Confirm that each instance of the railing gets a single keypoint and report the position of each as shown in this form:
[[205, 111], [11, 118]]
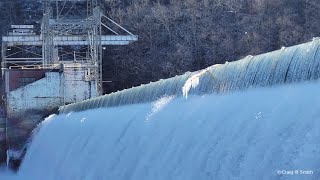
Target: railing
[[49, 66]]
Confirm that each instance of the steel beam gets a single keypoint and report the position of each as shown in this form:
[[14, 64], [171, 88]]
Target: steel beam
[[67, 40]]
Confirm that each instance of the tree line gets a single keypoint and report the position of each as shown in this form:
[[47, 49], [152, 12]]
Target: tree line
[[177, 36]]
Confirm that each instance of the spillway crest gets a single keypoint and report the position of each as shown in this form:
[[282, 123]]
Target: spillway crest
[[287, 65], [259, 133]]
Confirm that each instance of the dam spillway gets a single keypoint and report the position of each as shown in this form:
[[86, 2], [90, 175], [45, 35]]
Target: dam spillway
[[259, 133], [256, 118]]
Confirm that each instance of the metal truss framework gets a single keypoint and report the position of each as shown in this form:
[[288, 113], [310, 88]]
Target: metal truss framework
[[69, 27]]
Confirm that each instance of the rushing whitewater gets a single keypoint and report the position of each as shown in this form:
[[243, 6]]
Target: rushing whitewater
[[287, 65], [262, 133]]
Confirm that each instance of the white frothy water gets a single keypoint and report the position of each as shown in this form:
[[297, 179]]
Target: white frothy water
[[192, 82], [158, 105], [260, 133]]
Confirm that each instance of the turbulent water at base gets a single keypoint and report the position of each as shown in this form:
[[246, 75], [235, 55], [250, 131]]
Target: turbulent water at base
[[287, 65], [259, 133]]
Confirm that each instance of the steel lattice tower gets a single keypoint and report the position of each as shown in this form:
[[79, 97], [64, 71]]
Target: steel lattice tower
[[57, 22]]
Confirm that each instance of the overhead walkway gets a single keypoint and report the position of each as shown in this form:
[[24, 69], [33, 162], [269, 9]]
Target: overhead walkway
[[36, 40]]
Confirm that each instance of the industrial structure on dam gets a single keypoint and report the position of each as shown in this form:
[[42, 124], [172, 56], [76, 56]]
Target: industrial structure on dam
[[53, 65]]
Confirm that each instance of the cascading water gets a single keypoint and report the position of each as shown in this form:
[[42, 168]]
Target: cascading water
[[271, 131], [263, 133]]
